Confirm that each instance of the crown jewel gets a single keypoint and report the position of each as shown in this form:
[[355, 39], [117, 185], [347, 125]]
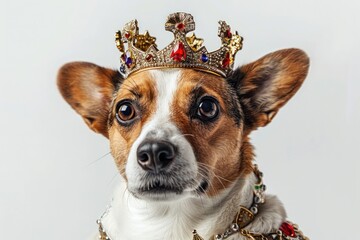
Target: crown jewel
[[184, 51]]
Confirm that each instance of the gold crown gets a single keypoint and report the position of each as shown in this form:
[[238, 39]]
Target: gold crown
[[183, 52]]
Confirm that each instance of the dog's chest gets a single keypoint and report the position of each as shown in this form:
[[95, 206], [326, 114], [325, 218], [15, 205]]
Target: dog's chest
[[131, 218], [171, 224], [128, 218]]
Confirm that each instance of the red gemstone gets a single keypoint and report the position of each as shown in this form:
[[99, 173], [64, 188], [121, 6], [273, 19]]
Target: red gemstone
[[228, 33], [127, 35], [123, 57], [178, 53], [288, 229], [226, 60], [149, 57], [180, 26]]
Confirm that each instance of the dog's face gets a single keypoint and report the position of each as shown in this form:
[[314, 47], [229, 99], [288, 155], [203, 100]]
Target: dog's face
[[171, 130], [177, 133]]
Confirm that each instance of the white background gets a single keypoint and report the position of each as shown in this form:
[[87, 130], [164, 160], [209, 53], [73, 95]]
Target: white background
[[53, 181]]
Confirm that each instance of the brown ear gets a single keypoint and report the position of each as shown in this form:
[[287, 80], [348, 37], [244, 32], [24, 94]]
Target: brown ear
[[88, 89], [265, 85]]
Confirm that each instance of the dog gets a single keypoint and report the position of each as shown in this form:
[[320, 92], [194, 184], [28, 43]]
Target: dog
[[180, 139]]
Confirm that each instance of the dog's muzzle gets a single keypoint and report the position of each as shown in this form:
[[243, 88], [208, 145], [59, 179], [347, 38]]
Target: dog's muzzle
[[162, 165], [155, 156]]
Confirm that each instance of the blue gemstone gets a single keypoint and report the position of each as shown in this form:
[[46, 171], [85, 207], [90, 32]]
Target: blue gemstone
[[204, 57], [122, 68], [128, 61]]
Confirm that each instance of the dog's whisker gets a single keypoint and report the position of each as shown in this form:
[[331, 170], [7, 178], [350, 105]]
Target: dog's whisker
[[123, 193], [183, 135], [98, 159], [133, 88], [221, 178], [209, 168], [133, 82], [113, 178], [125, 86], [128, 199], [205, 177], [209, 182]]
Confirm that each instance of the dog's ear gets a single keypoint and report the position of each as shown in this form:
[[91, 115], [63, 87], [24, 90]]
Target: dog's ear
[[89, 89], [268, 83]]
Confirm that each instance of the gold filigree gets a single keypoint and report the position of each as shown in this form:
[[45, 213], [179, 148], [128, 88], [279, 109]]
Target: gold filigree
[[144, 41], [119, 42], [235, 43], [194, 42], [145, 55], [102, 233], [244, 217], [196, 236]]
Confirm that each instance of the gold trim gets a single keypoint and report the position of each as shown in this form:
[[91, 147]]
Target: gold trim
[[196, 236], [174, 67]]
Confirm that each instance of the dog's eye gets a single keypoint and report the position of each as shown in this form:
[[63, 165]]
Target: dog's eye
[[125, 112], [208, 109]]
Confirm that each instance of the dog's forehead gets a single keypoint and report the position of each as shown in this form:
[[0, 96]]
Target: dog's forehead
[[171, 84]]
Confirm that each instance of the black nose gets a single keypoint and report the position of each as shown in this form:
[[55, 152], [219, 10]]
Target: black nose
[[154, 156]]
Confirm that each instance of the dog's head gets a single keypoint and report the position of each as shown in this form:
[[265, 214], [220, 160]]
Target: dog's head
[[176, 133]]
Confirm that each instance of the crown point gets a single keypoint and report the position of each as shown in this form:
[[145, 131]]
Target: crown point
[[180, 22], [194, 42], [178, 54], [144, 41]]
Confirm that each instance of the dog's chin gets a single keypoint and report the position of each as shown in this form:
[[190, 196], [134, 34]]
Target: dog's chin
[[160, 194], [164, 192]]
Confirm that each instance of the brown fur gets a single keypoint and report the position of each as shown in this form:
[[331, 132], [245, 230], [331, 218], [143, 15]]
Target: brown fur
[[268, 83], [248, 99], [139, 87], [216, 145], [88, 89]]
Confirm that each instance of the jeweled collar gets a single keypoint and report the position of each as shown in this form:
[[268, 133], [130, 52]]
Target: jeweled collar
[[287, 230]]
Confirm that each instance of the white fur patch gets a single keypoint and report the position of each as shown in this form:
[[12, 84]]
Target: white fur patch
[[161, 128], [132, 218]]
